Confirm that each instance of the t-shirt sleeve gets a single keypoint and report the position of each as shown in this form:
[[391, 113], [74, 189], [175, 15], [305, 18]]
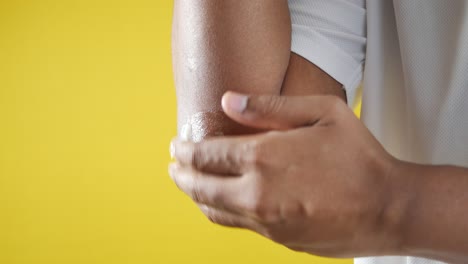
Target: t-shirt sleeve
[[332, 35]]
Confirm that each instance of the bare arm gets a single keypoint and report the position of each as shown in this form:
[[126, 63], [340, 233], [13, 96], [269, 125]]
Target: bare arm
[[244, 46], [237, 45], [435, 218]]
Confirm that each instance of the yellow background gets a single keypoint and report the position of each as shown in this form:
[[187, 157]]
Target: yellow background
[[87, 109]]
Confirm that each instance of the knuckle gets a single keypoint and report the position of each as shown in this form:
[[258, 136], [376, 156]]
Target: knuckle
[[197, 159], [257, 153], [268, 105], [295, 210], [196, 192]]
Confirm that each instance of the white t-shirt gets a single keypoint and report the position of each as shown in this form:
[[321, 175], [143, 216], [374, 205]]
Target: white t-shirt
[[412, 57]]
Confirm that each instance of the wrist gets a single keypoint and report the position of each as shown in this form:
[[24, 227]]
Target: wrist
[[400, 191], [422, 205]]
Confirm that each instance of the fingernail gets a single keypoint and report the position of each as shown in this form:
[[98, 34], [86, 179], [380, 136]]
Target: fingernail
[[235, 102], [186, 132]]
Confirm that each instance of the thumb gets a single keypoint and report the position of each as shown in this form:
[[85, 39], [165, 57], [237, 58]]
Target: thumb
[[280, 112]]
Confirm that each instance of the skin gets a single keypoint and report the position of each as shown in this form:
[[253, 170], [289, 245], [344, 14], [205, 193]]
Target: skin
[[329, 189], [237, 45], [350, 198]]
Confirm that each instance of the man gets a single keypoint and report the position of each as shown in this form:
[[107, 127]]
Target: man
[[294, 164]]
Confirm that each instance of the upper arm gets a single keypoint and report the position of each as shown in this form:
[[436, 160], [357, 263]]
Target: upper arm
[[246, 46], [239, 45], [332, 35]]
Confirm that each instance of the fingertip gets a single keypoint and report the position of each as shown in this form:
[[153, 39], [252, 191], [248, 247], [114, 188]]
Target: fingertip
[[173, 146], [183, 151], [234, 102]]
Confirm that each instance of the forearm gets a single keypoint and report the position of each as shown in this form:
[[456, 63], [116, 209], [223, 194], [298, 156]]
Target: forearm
[[237, 45], [435, 221]]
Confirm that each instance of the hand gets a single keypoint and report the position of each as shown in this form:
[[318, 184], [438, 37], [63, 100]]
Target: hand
[[320, 183]]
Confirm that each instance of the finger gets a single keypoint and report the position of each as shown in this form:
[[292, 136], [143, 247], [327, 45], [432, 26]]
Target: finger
[[280, 112], [218, 192], [221, 156], [227, 219]]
